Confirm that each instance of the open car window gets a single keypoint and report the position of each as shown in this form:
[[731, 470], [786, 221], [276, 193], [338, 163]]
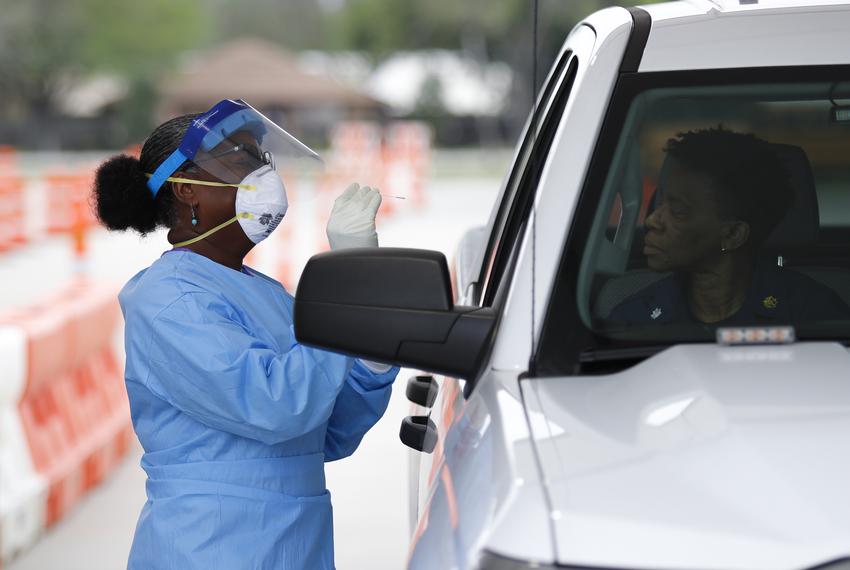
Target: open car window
[[723, 204]]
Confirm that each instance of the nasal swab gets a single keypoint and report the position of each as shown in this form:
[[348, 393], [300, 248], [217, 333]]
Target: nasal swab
[[396, 197]]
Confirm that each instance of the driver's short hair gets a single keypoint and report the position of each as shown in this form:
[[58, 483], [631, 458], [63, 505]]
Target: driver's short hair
[[751, 181]]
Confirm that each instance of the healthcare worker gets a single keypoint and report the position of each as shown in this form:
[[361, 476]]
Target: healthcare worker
[[235, 417]]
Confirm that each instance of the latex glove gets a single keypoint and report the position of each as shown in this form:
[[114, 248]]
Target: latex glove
[[352, 221], [375, 367]]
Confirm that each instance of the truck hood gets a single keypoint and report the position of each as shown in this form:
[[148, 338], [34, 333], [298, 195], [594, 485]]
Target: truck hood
[[701, 457]]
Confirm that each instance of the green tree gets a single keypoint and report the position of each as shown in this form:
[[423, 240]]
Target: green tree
[[138, 41], [296, 24], [39, 42], [140, 37], [46, 43], [486, 30]]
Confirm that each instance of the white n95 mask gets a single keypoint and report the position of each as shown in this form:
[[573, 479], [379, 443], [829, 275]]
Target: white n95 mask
[[261, 203]]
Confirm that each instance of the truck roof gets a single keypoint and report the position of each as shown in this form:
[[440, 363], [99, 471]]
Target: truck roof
[[718, 34], [740, 5]]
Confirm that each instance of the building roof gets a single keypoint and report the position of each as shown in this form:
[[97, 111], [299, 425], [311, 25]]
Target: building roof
[[260, 72]]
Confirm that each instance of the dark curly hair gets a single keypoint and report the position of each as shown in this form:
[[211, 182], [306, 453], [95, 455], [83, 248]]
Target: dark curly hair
[[751, 181], [122, 199]]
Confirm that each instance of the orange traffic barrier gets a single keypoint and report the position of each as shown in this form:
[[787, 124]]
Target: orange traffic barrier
[[23, 492], [356, 147], [397, 164], [100, 415], [12, 214], [74, 408], [134, 150], [41, 408], [409, 158], [381, 180], [68, 204], [395, 159], [79, 226], [358, 155], [8, 159], [284, 270]]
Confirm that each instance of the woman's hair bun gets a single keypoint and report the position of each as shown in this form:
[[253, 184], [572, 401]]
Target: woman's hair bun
[[122, 198]]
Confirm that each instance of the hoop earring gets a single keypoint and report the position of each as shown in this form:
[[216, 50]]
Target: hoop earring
[[194, 217]]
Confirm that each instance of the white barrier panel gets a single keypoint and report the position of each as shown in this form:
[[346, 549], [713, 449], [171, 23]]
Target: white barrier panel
[[23, 492]]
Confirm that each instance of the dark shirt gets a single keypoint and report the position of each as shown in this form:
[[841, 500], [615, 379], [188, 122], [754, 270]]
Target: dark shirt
[[776, 295]]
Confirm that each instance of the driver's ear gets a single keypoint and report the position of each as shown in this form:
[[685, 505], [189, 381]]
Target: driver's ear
[[734, 235]]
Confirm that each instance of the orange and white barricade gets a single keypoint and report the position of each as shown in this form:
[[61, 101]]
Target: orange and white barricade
[[356, 151], [69, 405], [12, 214], [23, 491], [68, 204], [8, 159], [285, 247], [356, 155], [99, 417], [409, 158]]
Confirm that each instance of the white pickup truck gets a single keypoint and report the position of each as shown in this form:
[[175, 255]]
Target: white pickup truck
[[644, 356]]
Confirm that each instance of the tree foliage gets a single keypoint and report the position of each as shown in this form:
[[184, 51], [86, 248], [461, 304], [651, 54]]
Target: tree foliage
[[45, 44], [140, 37], [296, 24]]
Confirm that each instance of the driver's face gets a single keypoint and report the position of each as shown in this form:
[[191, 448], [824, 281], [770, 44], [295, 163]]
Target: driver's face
[[683, 233]]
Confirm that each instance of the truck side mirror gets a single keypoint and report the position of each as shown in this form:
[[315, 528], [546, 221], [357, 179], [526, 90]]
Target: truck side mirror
[[390, 305]]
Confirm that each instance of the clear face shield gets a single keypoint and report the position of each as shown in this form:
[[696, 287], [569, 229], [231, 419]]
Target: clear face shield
[[234, 145], [229, 142]]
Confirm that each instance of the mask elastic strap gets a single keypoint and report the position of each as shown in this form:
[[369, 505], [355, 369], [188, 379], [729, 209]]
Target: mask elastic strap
[[208, 233], [207, 182]]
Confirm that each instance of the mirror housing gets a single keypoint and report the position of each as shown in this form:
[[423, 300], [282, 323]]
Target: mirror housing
[[390, 305]]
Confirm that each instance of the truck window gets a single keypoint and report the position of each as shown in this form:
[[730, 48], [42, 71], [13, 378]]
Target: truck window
[[724, 204], [515, 205]]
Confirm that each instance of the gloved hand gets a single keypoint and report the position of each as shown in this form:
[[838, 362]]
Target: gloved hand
[[352, 221], [375, 367]]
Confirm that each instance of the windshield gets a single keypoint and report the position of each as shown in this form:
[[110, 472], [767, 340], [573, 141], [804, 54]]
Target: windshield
[[722, 205]]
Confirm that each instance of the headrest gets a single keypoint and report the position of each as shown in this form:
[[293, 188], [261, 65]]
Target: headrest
[[802, 221]]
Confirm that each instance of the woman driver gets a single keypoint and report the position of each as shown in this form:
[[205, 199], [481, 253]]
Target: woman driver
[[722, 194]]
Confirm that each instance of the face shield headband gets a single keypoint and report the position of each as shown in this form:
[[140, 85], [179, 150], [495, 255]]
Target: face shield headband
[[230, 125]]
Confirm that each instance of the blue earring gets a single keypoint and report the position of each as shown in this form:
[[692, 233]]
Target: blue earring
[[194, 217]]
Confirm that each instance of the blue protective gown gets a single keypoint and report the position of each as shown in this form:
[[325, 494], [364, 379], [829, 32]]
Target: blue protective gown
[[236, 420]]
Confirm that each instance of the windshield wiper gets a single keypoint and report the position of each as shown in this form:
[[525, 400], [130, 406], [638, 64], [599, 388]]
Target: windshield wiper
[[610, 360], [621, 353]]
